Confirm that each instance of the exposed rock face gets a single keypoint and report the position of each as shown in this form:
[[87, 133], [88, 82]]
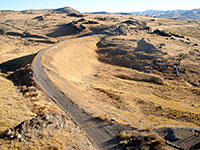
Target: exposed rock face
[[143, 56]]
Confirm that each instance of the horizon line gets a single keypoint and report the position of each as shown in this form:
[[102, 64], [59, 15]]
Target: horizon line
[[99, 11]]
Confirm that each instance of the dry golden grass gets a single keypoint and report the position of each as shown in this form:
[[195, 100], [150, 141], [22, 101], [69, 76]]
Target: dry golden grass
[[142, 139], [101, 89], [17, 106], [189, 31], [15, 109], [149, 99]]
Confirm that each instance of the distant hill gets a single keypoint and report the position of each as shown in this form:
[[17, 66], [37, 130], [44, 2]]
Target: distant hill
[[101, 12], [158, 12], [67, 10], [176, 14]]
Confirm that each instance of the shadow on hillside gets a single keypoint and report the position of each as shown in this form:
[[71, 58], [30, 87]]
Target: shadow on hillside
[[66, 29], [14, 64], [19, 70]]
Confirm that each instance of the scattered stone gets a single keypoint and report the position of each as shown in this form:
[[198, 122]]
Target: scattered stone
[[21, 140], [159, 107], [161, 45], [172, 38], [31, 88], [176, 69], [19, 136], [187, 42], [26, 34], [7, 133], [196, 131], [48, 103], [195, 44]]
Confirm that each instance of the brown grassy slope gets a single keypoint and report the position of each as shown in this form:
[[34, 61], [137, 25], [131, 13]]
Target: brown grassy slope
[[127, 101], [21, 36], [106, 91], [15, 108], [109, 91]]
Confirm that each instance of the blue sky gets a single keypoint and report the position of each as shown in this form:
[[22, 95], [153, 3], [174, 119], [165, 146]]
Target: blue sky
[[101, 5]]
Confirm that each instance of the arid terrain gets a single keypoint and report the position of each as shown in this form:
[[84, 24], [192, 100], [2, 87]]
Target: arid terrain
[[132, 70]]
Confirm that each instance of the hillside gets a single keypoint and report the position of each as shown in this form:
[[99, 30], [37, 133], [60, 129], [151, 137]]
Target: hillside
[[175, 14], [67, 10], [129, 70], [190, 15]]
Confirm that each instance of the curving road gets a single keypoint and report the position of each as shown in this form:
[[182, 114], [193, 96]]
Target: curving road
[[102, 133]]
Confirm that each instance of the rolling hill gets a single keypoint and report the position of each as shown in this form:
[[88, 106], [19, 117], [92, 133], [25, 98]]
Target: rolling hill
[[190, 15], [176, 14]]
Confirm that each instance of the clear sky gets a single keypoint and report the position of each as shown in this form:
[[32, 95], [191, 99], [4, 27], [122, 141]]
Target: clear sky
[[101, 5]]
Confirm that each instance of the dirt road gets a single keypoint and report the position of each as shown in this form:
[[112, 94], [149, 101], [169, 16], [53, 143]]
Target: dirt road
[[104, 134]]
